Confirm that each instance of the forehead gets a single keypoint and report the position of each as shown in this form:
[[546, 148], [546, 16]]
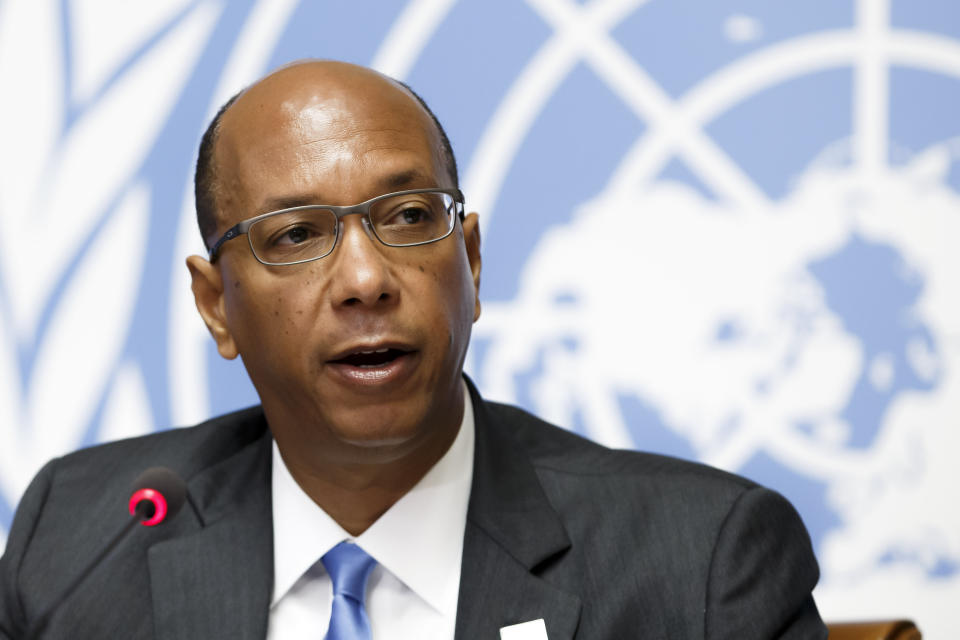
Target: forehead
[[330, 133]]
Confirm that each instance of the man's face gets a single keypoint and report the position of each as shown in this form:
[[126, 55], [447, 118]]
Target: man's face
[[316, 134]]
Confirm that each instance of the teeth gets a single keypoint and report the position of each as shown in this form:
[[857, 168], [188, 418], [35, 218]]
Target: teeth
[[366, 353]]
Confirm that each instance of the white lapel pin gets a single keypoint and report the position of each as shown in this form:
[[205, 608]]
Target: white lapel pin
[[533, 630]]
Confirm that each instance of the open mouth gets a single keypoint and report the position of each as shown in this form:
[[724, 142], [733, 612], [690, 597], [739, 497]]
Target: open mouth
[[371, 359]]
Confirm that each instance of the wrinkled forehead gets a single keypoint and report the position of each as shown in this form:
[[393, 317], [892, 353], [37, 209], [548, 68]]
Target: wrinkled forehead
[[307, 122]]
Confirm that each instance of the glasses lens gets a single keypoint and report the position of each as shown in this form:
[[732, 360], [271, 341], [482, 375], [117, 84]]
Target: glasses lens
[[294, 236], [413, 218]]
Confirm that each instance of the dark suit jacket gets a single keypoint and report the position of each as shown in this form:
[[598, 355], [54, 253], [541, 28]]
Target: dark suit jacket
[[599, 543]]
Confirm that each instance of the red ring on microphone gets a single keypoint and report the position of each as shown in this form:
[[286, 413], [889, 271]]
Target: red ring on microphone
[[159, 505]]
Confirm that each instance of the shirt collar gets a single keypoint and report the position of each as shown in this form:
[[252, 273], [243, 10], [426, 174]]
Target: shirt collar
[[419, 539]]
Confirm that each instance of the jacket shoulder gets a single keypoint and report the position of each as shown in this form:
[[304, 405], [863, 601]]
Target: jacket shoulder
[[77, 502], [554, 450], [184, 450], [710, 551]]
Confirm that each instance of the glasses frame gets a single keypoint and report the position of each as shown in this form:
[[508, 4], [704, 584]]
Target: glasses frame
[[363, 209]]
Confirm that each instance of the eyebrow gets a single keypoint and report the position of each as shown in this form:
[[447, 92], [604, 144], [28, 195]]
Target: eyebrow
[[405, 179], [391, 182]]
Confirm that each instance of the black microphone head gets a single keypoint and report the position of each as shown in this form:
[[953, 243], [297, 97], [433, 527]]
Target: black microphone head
[[163, 490]]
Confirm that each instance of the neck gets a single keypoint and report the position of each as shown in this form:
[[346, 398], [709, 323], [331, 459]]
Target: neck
[[357, 492]]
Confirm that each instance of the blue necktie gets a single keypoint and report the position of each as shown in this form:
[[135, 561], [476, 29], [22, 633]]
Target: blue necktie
[[349, 567]]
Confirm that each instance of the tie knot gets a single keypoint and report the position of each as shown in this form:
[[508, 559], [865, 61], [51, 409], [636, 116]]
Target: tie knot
[[349, 567]]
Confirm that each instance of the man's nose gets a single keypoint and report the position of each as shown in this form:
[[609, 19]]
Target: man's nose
[[360, 269]]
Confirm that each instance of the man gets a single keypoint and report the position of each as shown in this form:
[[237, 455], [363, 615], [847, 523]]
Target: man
[[462, 518]]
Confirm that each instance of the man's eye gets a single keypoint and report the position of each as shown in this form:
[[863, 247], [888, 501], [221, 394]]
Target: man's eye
[[297, 235], [294, 235], [413, 215]]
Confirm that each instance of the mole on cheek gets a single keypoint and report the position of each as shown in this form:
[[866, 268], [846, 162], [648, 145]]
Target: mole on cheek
[[236, 285], [421, 268]]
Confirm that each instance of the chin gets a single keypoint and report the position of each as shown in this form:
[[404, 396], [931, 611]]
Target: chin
[[379, 429], [381, 446], [376, 441]]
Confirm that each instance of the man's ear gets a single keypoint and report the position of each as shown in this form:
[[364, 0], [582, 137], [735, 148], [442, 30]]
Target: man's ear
[[471, 238], [207, 285]]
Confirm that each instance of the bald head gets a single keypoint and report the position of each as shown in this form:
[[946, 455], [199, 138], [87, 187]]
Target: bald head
[[342, 95]]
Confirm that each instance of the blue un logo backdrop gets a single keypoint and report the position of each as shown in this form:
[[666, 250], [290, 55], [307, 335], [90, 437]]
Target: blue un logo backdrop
[[723, 230]]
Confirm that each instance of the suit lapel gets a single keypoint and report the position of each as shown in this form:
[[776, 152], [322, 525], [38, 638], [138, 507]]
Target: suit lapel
[[512, 532], [215, 580]]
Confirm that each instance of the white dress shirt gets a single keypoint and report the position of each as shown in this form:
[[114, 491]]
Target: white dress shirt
[[418, 543]]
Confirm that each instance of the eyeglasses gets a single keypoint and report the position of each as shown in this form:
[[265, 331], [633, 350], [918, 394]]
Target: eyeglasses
[[310, 232]]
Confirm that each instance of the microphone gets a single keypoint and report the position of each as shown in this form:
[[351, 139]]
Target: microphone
[[158, 494]]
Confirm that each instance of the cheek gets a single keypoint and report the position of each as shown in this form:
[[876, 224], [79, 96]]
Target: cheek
[[449, 284], [265, 316]]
